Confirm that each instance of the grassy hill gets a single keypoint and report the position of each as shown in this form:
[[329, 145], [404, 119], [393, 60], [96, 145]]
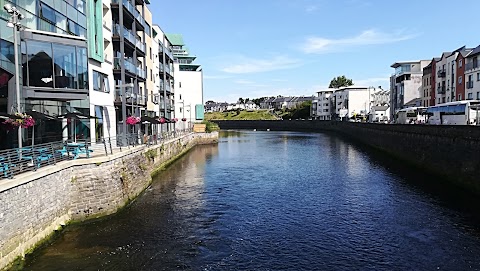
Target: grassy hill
[[241, 115]]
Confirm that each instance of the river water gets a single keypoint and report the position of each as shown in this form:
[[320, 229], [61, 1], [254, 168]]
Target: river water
[[279, 201]]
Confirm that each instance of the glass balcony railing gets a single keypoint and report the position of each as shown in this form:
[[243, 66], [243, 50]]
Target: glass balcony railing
[[132, 10], [126, 33], [140, 45], [471, 65], [140, 72], [129, 66]]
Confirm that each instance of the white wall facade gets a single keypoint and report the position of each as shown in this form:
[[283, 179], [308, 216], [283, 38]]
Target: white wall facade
[[106, 96], [352, 101], [188, 94], [472, 73], [323, 105]]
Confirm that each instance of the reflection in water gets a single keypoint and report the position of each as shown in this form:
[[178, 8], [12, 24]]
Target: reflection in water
[[278, 201]]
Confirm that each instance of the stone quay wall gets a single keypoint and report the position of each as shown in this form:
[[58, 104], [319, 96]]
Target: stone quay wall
[[452, 152], [36, 204]]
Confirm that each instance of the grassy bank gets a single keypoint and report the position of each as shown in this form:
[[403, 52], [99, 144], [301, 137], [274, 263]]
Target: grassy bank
[[241, 115]]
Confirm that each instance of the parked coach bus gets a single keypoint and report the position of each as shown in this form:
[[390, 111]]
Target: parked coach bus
[[411, 115], [454, 113]]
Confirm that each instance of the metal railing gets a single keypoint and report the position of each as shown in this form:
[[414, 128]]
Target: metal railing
[[31, 158]]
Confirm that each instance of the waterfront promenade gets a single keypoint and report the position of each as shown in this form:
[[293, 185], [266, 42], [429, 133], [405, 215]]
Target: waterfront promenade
[[37, 203]]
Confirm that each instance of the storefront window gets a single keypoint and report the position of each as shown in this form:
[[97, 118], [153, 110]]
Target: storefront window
[[65, 66], [98, 122], [82, 68], [40, 67]]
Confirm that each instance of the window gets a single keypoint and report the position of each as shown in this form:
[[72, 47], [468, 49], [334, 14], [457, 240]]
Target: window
[[65, 65], [459, 80], [478, 95], [40, 68], [100, 82], [150, 52], [459, 97], [179, 84], [98, 123], [82, 68], [460, 63], [470, 96], [478, 76]]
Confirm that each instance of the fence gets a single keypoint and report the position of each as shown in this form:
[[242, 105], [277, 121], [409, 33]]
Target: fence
[[30, 158]]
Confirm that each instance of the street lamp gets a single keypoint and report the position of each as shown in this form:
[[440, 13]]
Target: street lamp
[[124, 105], [13, 22]]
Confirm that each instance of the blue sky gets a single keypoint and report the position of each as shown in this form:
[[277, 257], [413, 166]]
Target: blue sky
[[252, 49]]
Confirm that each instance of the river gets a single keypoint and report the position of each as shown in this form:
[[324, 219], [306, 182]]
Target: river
[[279, 201]]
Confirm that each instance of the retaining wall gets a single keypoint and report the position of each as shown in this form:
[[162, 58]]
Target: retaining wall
[[35, 204], [450, 151]]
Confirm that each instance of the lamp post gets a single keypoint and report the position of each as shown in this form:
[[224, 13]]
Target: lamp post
[[124, 105], [15, 17]]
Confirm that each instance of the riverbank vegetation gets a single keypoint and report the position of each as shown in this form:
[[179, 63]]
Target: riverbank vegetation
[[301, 111]]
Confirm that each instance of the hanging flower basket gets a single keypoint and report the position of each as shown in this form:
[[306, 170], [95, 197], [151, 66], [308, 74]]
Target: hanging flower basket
[[133, 120], [174, 120], [184, 119], [162, 120], [24, 121]]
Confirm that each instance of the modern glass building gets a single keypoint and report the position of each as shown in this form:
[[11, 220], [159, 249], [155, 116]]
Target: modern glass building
[[54, 66]]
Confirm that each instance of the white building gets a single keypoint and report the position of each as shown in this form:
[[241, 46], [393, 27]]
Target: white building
[[322, 105], [405, 83], [188, 84], [101, 82], [472, 75], [352, 101]]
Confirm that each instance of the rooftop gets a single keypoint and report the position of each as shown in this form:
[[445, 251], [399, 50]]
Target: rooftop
[[175, 39]]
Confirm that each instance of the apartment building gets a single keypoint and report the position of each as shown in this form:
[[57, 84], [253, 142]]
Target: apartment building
[[472, 74], [100, 70], [129, 60], [165, 83], [322, 105], [426, 94], [189, 106], [405, 83], [352, 101]]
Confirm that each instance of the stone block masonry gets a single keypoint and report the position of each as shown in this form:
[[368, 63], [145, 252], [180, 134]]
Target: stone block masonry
[[34, 205]]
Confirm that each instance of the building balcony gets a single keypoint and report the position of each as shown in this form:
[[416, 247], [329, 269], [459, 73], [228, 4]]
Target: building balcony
[[471, 65], [442, 73], [441, 90], [140, 21]]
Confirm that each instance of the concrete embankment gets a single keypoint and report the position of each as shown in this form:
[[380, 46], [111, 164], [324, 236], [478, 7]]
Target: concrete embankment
[[449, 151], [34, 205]]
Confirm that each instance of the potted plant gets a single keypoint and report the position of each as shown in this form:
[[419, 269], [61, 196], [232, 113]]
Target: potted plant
[[132, 120]]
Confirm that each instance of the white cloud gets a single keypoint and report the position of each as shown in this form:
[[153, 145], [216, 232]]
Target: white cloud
[[216, 77], [255, 65], [320, 45], [244, 82]]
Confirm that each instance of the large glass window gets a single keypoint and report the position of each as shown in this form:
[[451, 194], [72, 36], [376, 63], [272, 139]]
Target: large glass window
[[65, 66], [82, 68], [55, 65], [40, 67], [98, 122]]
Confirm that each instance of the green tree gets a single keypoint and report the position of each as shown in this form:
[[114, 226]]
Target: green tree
[[241, 100], [340, 81]]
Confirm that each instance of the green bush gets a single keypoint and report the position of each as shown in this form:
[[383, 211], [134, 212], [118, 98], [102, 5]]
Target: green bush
[[210, 126]]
